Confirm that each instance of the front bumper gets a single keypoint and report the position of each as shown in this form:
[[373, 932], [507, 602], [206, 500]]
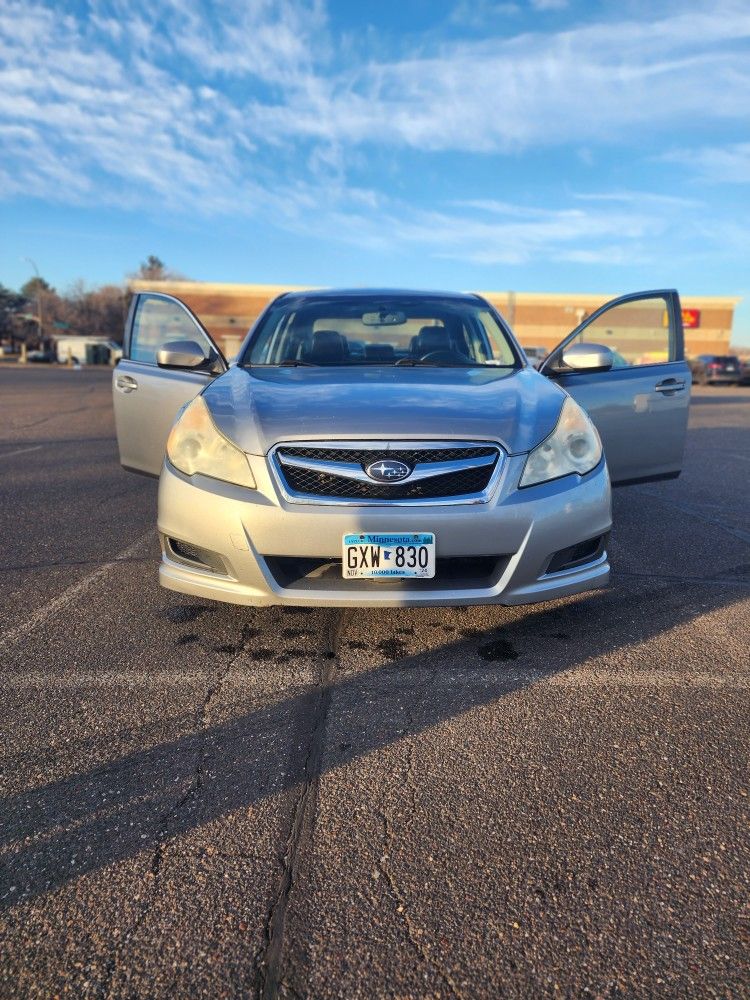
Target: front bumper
[[254, 532]]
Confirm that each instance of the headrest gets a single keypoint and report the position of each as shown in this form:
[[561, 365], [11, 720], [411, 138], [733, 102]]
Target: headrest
[[327, 346], [432, 338], [379, 352]]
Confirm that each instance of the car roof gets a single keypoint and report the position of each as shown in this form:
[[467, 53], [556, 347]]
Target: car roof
[[325, 294]]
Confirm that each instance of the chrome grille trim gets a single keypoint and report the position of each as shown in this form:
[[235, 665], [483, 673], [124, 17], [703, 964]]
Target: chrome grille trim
[[349, 470], [423, 471]]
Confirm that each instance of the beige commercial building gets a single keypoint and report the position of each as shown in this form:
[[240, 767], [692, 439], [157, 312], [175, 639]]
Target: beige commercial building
[[539, 319]]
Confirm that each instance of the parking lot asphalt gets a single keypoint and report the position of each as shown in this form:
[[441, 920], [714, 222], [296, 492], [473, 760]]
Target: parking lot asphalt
[[202, 800]]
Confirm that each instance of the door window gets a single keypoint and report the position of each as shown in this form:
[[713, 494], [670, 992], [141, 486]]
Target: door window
[[159, 320], [637, 332]]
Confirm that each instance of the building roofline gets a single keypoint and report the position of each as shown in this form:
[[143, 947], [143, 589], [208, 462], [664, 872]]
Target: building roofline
[[146, 285], [526, 298], [590, 298]]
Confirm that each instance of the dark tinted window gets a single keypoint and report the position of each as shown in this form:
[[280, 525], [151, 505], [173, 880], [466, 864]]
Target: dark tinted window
[[381, 331]]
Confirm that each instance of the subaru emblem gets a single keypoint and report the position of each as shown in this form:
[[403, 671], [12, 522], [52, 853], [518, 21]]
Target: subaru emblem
[[388, 470]]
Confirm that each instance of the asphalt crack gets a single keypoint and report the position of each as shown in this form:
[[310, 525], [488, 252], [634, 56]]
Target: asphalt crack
[[678, 578], [190, 795], [269, 966], [696, 511], [414, 933], [59, 413]]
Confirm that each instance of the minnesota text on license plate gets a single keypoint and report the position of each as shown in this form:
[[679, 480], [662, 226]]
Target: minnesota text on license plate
[[369, 555]]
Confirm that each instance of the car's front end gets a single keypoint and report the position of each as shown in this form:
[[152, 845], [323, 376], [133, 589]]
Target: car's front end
[[512, 546], [324, 479]]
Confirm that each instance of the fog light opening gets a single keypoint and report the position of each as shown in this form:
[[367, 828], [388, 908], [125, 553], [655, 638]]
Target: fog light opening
[[194, 555], [577, 555]]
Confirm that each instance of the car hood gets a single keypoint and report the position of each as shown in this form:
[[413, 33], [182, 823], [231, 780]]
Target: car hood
[[259, 407]]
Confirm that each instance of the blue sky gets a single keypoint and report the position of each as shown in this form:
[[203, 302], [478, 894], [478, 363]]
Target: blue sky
[[535, 145]]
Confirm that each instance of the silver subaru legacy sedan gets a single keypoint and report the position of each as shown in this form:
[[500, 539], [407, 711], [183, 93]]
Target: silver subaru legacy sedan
[[388, 447]]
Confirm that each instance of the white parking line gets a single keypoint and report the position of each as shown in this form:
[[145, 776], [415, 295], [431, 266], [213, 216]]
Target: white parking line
[[21, 451], [585, 677], [43, 614]]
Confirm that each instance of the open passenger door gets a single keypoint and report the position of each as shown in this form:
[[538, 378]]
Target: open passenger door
[[147, 390], [638, 394]]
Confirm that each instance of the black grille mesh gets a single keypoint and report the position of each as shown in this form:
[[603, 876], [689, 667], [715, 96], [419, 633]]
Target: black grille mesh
[[452, 484], [409, 455]]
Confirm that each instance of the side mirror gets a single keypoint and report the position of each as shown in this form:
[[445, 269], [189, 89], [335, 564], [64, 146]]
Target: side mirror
[[588, 357], [181, 354]]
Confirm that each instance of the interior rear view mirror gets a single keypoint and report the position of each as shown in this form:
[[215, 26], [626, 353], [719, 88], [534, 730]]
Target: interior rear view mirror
[[181, 354], [384, 317], [588, 357]]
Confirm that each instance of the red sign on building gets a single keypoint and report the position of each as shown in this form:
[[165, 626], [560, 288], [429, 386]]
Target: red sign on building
[[691, 318]]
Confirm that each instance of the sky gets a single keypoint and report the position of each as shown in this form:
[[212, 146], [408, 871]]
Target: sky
[[533, 145]]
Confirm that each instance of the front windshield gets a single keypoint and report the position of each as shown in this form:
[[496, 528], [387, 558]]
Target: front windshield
[[388, 330]]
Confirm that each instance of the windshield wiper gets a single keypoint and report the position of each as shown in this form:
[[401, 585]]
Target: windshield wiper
[[295, 363], [415, 362], [419, 362]]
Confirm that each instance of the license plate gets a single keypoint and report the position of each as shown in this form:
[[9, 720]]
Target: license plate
[[730, 368], [367, 555]]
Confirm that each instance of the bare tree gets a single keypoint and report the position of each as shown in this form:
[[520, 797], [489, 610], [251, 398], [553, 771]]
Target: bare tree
[[154, 269]]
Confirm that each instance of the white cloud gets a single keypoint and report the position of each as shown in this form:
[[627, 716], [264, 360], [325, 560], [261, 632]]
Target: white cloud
[[549, 4], [482, 14], [497, 233], [600, 82], [728, 164], [640, 198], [251, 110]]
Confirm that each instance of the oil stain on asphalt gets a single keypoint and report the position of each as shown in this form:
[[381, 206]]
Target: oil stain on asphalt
[[498, 649]]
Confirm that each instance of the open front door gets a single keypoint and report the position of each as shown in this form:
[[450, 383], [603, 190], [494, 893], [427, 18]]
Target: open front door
[[639, 406], [146, 396]]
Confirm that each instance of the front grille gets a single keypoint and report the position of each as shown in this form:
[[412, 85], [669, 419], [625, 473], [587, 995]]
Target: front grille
[[411, 456], [312, 482], [454, 484]]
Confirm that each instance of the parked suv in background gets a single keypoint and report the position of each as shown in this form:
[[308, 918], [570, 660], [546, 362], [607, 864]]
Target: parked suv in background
[[716, 369]]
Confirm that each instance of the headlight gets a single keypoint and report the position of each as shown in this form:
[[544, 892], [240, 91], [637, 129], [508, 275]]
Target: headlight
[[195, 445], [573, 446]]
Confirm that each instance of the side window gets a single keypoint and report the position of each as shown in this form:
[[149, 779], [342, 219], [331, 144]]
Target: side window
[[500, 349], [637, 332], [157, 321]]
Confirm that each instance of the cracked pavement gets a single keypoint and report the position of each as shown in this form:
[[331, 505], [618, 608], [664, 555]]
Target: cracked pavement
[[202, 800]]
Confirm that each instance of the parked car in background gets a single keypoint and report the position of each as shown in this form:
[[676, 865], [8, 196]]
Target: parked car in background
[[745, 371], [535, 355], [40, 357], [87, 350], [716, 369], [389, 448]]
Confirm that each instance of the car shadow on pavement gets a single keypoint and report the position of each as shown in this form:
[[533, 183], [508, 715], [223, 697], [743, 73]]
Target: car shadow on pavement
[[145, 799]]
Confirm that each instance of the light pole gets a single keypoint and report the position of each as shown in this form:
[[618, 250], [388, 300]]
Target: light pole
[[38, 301]]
